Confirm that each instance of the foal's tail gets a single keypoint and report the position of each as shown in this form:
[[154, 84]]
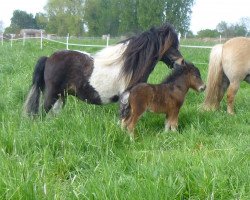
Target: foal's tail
[[124, 105], [214, 79], [31, 105]]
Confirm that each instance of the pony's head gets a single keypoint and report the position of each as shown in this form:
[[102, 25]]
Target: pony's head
[[145, 50], [169, 51]]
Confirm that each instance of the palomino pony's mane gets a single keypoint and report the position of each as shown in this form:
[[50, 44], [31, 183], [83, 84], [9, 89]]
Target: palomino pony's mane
[[145, 50]]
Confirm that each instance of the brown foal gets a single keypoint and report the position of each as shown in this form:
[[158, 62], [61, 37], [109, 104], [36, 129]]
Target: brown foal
[[166, 97]]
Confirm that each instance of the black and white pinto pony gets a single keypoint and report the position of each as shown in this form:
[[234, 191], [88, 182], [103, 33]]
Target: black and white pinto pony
[[103, 77]]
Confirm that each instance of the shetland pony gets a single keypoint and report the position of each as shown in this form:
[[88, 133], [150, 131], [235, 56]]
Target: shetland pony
[[166, 97], [101, 78], [229, 64]]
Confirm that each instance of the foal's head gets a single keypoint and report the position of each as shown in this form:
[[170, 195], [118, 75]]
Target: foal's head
[[194, 77]]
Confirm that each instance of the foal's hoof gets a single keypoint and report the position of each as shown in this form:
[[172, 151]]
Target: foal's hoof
[[231, 112], [169, 129]]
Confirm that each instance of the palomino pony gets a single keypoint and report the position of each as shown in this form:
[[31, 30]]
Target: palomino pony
[[101, 78], [229, 64], [166, 97]]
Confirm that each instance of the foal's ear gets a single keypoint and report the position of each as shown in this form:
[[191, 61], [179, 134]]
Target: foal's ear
[[177, 66]]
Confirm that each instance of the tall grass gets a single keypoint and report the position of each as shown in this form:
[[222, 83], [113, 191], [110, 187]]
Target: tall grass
[[83, 154]]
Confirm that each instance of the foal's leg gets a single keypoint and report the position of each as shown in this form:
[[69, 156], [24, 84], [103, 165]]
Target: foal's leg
[[172, 122], [132, 120], [231, 92]]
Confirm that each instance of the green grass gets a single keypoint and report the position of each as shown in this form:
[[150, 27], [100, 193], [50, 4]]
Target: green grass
[[83, 154]]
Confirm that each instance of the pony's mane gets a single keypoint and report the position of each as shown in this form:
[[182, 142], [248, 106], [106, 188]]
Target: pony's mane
[[176, 72], [144, 50], [110, 55]]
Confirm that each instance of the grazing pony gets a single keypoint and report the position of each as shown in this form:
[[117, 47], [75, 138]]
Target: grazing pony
[[101, 78], [229, 64], [166, 97]]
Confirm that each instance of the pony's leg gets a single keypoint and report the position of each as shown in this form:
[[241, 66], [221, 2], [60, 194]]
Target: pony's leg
[[58, 105], [89, 95], [247, 79], [231, 92], [50, 99], [224, 85]]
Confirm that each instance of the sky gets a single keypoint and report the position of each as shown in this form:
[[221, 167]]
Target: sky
[[206, 13]]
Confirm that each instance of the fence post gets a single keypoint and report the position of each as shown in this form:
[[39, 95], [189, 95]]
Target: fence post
[[220, 38], [108, 36], [41, 40], [11, 40], [24, 38], [179, 36], [67, 42], [2, 39]]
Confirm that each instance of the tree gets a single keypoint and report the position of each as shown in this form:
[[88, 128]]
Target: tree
[[114, 16], [128, 18], [223, 28], [150, 13], [232, 30], [21, 20], [41, 20], [102, 16], [178, 12], [208, 33], [65, 16], [245, 22]]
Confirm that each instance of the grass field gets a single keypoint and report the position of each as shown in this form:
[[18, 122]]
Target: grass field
[[83, 154]]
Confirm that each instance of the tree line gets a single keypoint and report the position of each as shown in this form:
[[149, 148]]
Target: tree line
[[116, 17], [99, 17], [228, 30]]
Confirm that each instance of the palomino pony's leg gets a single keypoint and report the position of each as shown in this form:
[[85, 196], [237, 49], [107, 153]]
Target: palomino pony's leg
[[247, 79], [223, 88], [231, 92]]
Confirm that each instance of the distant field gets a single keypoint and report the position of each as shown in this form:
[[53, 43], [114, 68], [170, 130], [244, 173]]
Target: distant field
[[83, 154]]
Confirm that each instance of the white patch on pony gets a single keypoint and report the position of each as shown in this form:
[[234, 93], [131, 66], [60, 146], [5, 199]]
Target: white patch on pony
[[57, 106], [107, 67]]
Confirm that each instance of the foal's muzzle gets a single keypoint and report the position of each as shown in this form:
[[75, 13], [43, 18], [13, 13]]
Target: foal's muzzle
[[202, 88]]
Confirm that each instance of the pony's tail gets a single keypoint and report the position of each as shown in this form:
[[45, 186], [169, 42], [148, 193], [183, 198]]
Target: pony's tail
[[214, 79], [124, 105], [31, 105]]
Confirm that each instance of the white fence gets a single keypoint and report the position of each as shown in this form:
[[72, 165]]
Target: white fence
[[67, 44], [42, 38]]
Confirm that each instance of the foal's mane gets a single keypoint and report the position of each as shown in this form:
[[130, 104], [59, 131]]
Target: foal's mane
[[174, 75], [144, 51]]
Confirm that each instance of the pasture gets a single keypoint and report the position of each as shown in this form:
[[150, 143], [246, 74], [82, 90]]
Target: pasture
[[83, 154]]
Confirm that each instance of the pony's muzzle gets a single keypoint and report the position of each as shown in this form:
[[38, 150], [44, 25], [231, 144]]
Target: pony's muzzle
[[202, 88]]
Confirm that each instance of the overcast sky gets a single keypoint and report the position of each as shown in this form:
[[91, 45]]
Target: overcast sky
[[206, 13]]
